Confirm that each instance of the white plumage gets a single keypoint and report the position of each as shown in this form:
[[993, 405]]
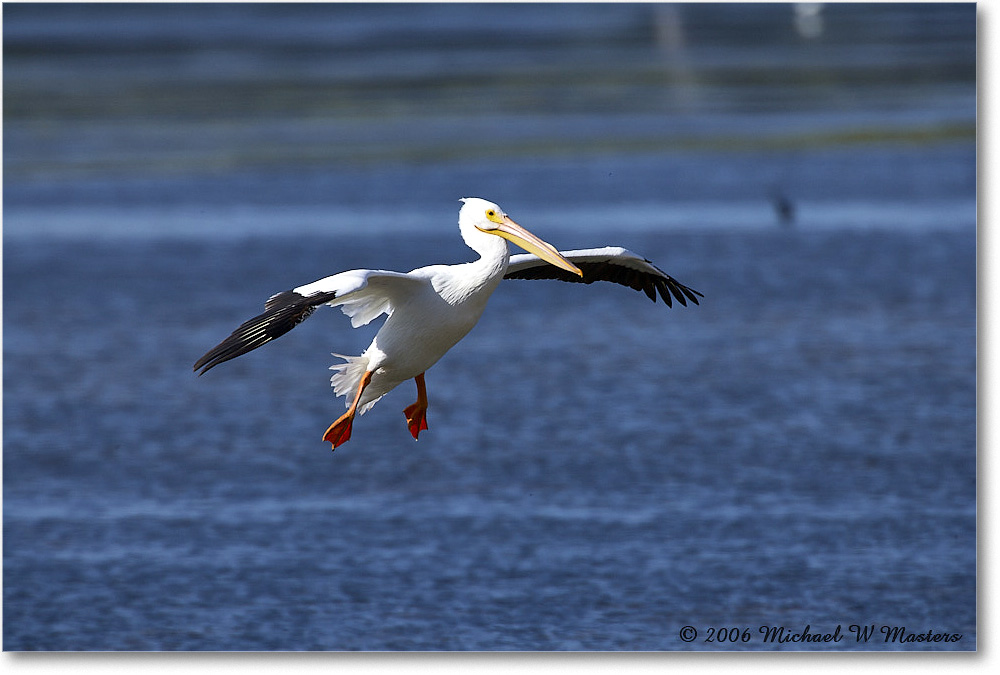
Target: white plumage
[[431, 308]]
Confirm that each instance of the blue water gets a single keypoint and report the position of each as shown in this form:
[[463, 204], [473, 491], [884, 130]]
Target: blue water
[[599, 472]]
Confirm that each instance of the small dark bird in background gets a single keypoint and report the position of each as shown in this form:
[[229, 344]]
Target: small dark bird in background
[[783, 208]]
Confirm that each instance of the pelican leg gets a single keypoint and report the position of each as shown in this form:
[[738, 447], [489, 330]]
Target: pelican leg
[[339, 432], [416, 414]]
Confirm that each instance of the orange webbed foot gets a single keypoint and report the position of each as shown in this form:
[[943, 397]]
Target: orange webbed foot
[[339, 432], [416, 418]]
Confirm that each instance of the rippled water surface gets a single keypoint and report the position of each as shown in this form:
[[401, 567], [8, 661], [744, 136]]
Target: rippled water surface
[[600, 472]]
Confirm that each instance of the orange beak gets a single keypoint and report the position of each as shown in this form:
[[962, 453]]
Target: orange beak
[[513, 232]]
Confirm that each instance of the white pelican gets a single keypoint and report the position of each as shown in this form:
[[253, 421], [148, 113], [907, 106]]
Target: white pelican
[[431, 308]]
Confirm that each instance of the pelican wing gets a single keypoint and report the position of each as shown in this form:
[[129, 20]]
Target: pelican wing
[[611, 263], [361, 294]]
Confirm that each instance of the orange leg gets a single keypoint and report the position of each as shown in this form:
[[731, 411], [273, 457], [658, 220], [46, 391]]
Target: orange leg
[[339, 432], [416, 414]]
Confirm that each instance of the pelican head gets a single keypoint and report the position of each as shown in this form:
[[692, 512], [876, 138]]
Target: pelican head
[[479, 215]]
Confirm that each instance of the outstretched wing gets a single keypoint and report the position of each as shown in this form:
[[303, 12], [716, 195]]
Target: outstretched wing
[[362, 294], [611, 263]]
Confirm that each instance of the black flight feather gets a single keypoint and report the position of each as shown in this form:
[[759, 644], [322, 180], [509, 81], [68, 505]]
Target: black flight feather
[[606, 271], [282, 313]]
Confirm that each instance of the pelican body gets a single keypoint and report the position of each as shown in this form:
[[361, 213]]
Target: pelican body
[[431, 308]]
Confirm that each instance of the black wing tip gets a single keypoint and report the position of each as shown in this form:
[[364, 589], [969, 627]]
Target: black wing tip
[[671, 289], [204, 364], [209, 361], [646, 282], [282, 312], [228, 349]]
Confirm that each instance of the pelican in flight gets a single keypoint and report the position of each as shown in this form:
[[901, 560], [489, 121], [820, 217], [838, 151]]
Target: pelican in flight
[[431, 308]]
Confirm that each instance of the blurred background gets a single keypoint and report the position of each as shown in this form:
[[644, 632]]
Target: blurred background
[[798, 449], [252, 119]]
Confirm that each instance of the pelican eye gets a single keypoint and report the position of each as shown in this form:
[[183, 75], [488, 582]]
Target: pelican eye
[[495, 216]]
